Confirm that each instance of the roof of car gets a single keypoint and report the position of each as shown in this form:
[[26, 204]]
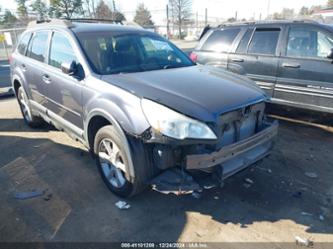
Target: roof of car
[[270, 23], [85, 25]]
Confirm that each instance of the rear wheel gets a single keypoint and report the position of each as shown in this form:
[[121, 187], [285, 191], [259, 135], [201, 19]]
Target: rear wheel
[[113, 163], [30, 119]]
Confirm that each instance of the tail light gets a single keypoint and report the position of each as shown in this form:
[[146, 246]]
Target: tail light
[[10, 59], [194, 57]]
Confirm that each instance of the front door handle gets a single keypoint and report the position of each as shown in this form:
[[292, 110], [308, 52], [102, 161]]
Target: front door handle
[[46, 79], [24, 67], [291, 65], [237, 60]]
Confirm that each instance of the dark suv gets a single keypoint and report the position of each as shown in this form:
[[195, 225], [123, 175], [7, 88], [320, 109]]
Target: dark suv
[[290, 60], [139, 104]]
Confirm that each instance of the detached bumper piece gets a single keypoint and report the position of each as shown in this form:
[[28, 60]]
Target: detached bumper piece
[[237, 156], [175, 181]]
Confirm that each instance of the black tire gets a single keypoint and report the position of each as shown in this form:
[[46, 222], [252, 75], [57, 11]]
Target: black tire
[[142, 171], [29, 118]]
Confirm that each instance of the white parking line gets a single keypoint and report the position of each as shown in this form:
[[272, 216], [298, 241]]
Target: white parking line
[[7, 65]]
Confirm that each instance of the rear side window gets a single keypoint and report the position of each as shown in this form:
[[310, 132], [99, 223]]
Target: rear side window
[[308, 43], [242, 47], [38, 46], [22, 47], [220, 40], [61, 50], [264, 41]]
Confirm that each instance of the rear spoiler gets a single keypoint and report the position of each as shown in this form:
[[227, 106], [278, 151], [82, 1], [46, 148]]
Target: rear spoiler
[[204, 31]]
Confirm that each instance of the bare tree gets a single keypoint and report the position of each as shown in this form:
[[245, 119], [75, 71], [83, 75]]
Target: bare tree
[[181, 12], [143, 16], [103, 11], [90, 7], [304, 11]]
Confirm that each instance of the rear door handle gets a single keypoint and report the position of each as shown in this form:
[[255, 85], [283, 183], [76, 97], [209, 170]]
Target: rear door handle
[[291, 65], [237, 60], [46, 79]]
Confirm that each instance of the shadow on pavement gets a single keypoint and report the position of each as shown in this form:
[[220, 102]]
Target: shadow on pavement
[[82, 209]]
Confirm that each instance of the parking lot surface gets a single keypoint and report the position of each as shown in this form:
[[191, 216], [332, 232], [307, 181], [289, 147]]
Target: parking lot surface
[[287, 194]]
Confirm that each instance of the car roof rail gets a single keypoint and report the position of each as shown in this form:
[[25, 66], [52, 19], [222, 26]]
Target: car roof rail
[[94, 20], [267, 22], [52, 21]]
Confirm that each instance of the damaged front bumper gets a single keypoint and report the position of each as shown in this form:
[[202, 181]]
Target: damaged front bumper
[[237, 156], [225, 162]]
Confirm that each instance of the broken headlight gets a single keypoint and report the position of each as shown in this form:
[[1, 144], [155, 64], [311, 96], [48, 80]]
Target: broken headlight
[[174, 124]]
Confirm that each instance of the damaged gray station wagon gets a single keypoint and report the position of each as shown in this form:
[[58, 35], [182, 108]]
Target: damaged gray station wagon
[[148, 114]]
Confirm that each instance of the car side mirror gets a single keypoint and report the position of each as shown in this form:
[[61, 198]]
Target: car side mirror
[[69, 68], [330, 54]]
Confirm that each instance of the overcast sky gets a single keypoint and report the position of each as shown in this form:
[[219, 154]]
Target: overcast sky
[[216, 8]]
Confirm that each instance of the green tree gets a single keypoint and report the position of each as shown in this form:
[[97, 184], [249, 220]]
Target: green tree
[[40, 8], [65, 8], [22, 8], [143, 16], [8, 19]]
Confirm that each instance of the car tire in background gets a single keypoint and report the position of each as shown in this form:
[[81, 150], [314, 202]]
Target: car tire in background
[[113, 162], [29, 118]]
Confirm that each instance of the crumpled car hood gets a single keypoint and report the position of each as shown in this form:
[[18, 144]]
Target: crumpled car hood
[[201, 92]]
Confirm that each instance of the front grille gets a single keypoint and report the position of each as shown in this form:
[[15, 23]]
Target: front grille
[[242, 123]]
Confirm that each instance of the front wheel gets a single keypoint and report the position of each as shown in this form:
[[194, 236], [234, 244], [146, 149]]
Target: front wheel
[[113, 163], [30, 119]]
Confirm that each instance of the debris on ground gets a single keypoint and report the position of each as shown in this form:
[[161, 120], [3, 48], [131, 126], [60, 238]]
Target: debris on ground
[[216, 197], [246, 185], [264, 169], [36, 146], [311, 174], [28, 195], [297, 194], [306, 214], [122, 205], [175, 181], [209, 186], [249, 181], [48, 197], [303, 242], [321, 217], [196, 195]]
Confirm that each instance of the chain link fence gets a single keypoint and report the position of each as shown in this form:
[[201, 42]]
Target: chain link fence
[[8, 41]]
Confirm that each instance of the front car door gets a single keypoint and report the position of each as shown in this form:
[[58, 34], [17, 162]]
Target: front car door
[[305, 74], [63, 90], [256, 56]]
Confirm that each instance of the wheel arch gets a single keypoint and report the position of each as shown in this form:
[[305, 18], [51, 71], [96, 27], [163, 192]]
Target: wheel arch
[[97, 119]]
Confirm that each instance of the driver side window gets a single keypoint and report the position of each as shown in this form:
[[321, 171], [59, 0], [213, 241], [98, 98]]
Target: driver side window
[[308, 43], [61, 51]]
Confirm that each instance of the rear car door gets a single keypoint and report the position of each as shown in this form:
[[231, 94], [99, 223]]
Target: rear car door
[[256, 56], [214, 47], [63, 90], [305, 75], [34, 63]]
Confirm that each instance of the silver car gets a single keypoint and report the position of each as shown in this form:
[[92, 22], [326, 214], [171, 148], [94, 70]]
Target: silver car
[[148, 114]]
